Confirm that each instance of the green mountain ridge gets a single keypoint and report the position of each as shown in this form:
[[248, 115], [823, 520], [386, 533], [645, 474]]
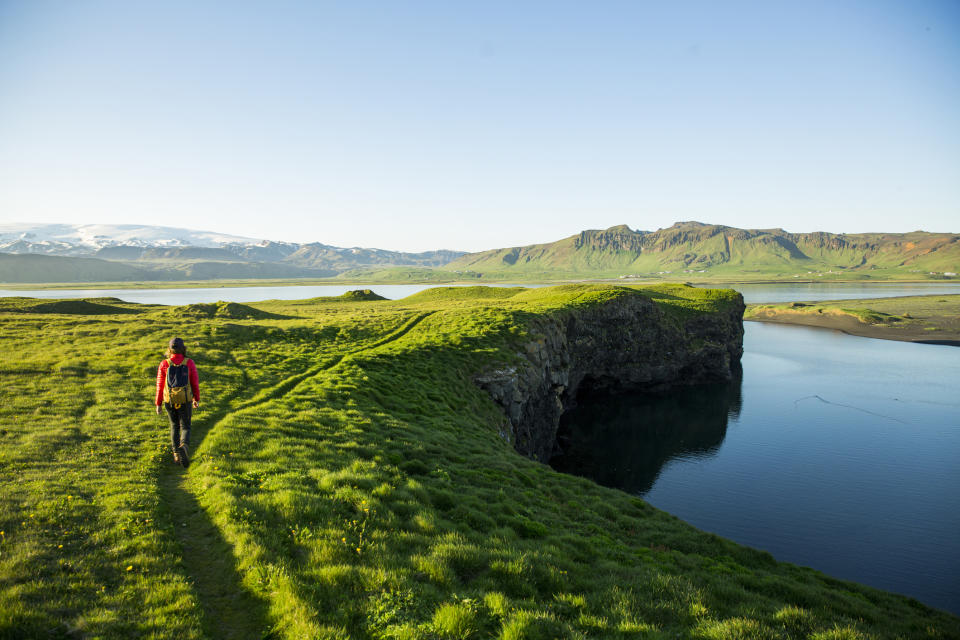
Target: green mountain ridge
[[696, 247], [685, 250]]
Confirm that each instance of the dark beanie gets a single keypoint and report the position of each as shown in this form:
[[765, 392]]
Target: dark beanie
[[176, 343]]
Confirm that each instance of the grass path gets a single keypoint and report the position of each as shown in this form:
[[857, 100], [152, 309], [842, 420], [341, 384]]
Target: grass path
[[288, 384], [231, 611]]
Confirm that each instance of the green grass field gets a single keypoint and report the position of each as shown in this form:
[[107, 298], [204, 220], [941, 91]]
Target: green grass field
[[349, 482]]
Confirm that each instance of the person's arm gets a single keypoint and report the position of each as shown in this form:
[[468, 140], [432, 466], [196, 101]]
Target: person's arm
[[161, 380], [194, 382]]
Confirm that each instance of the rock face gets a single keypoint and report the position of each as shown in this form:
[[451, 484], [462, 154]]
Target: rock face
[[625, 344]]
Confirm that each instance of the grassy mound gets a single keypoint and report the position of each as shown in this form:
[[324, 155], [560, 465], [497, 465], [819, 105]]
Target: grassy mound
[[221, 309], [358, 295], [869, 316], [349, 481], [361, 295], [69, 306]]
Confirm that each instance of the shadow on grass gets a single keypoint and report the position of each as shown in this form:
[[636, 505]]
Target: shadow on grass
[[230, 610]]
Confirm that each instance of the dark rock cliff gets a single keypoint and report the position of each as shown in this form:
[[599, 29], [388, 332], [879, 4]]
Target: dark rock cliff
[[626, 344]]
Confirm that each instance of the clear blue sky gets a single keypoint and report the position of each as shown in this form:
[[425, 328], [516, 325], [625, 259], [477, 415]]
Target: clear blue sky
[[422, 125]]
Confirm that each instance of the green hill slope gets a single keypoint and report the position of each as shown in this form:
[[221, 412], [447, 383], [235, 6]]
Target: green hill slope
[[692, 247], [349, 481], [27, 268], [39, 268]]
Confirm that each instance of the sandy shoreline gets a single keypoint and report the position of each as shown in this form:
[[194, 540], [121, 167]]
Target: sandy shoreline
[[849, 324]]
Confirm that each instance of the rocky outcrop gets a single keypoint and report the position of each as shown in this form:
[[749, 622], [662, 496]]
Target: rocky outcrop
[[629, 343]]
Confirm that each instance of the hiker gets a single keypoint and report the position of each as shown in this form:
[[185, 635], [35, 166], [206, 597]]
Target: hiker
[[178, 389]]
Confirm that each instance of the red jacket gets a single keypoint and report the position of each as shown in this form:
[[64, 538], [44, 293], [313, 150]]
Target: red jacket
[[162, 377]]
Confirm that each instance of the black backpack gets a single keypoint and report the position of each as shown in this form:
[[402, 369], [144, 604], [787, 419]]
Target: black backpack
[[177, 391]]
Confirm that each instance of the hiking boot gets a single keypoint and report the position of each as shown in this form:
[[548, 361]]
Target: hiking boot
[[184, 455], [176, 456]]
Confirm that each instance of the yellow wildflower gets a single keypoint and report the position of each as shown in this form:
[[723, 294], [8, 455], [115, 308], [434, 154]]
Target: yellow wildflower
[[130, 568]]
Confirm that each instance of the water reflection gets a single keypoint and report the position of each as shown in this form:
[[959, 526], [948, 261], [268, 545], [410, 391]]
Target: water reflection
[[842, 456], [625, 441]]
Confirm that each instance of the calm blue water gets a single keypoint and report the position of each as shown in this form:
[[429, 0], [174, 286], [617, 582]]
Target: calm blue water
[[751, 292], [835, 452]]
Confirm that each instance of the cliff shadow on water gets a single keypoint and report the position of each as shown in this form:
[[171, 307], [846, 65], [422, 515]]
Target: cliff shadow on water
[[625, 440], [627, 344]]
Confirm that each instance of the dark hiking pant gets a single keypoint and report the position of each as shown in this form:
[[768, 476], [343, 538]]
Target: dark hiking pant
[[179, 423]]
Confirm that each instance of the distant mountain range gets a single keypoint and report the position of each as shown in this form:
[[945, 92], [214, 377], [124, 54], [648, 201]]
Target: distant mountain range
[[86, 253], [89, 253], [694, 247]]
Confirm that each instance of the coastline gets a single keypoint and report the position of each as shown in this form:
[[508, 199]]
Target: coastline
[[922, 319]]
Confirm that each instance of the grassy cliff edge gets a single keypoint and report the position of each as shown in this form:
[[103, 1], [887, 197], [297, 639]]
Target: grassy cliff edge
[[350, 481]]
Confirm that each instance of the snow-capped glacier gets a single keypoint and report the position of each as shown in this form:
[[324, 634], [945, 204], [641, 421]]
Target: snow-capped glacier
[[83, 238]]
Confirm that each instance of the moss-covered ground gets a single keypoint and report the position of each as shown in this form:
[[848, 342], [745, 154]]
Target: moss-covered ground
[[927, 318], [349, 481]]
